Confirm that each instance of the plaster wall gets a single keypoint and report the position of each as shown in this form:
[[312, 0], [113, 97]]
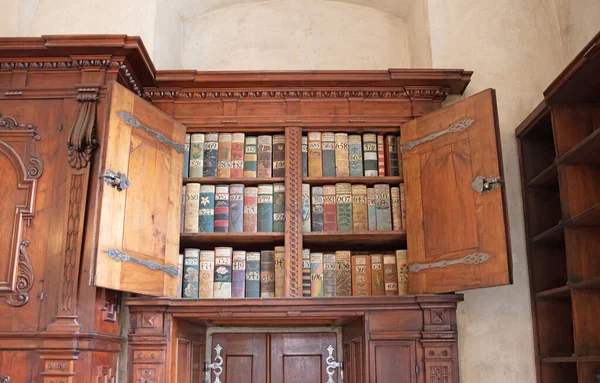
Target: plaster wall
[[8, 26]]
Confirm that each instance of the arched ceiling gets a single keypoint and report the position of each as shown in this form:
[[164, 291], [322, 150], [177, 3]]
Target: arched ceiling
[[188, 9]]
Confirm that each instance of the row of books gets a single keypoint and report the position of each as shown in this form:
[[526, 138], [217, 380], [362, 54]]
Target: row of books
[[353, 208], [233, 155], [327, 154], [344, 273], [233, 208], [227, 273]]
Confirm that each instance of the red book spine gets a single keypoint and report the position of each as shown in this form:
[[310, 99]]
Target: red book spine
[[250, 210], [222, 209], [380, 155], [329, 208], [237, 155]]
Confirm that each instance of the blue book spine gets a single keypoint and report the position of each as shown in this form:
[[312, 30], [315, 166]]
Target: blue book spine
[[211, 152], [252, 274], [206, 213], [356, 155], [191, 261], [186, 156], [304, 156], [265, 208], [236, 208]]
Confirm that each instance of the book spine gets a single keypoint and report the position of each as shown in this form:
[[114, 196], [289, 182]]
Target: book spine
[[402, 206], [399, 150], [317, 208], [377, 285], [370, 155], [396, 210], [306, 225], [250, 157], [180, 276], [361, 275], [355, 155], [304, 156], [328, 146], [305, 272], [192, 206], [360, 211], [206, 213], [186, 155], [329, 209], [207, 270], [391, 156], [196, 155], [223, 261], [279, 155], [316, 274], [237, 155], [252, 274], [250, 210], [265, 208], [279, 208], [380, 156], [384, 209], [182, 209], [211, 152], [221, 209], [315, 155], [329, 275], [236, 208], [267, 274], [402, 267], [238, 274], [190, 273], [371, 209], [224, 156], [343, 277], [343, 202], [390, 274], [342, 160], [279, 271], [264, 165]]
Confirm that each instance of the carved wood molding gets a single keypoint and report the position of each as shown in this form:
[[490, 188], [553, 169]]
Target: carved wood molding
[[155, 95], [427, 93], [293, 217], [25, 278], [105, 374], [82, 139]]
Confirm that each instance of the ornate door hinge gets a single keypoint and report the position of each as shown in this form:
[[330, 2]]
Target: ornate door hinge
[[483, 184], [4, 379], [470, 259], [332, 364], [116, 180], [121, 256], [454, 128], [217, 365], [130, 120]]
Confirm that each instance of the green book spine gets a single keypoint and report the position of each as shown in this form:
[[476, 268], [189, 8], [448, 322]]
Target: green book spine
[[384, 208], [252, 274], [206, 213], [265, 208], [191, 261], [250, 157], [317, 209], [370, 155], [343, 199], [316, 274], [305, 272], [356, 155], [236, 208], [278, 208], [211, 153], [372, 210], [196, 155]]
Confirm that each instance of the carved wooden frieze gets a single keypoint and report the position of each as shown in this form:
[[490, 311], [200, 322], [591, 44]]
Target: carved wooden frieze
[[82, 140], [20, 168], [270, 94], [293, 217]]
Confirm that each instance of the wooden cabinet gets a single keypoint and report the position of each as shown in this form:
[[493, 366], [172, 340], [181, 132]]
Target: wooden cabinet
[[100, 215], [558, 145]]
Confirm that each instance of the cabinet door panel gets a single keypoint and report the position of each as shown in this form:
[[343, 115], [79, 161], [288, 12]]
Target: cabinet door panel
[[138, 233], [244, 357], [392, 361], [456, 223]]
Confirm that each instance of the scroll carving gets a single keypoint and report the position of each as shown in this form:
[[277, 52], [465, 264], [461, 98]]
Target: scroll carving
[[82, 140], [24, 278], [73, 241]]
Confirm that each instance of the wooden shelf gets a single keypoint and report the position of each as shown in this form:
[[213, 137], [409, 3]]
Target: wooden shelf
[[593, 283], [231, 239], [558, 292], [571, 359], [586, 152], [552, 235], [548, 177], [369, 181], [229, 181], [590, 217], [374, 238]]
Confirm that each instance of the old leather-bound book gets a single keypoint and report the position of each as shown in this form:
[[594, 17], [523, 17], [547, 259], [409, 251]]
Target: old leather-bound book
[[304, 156], [380, 156], [223, 262], [306, 211], [390, 274], [224, 156], [267, 274], [207, 267], [252, 274], [238, 274], [264, 165], [342, 160], [196, 155], [361, 275], [192, 206], [371, 209], [237, 155], [265, 208], [329, 274], [317, 208], [328, 147], [370, 155], [377, 284], [391, 155], [343, 199], [190, 273], [315, 155], [279, 271], [360, 212], [396, 210], [402, 206], [186, 155], [355, 155], [402, 267], [329, 209], [306, 272], [316, 274], [250, 209], [383, 208], [206, 213], [211, 151], [236, 208], [221, 208], [343, 280], [278, 208], [279, 155], [250, 157]]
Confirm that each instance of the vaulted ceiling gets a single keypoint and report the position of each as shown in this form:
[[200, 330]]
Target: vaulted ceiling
[[188, 9]]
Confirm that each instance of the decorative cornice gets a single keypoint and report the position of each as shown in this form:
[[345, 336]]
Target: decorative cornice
[[427, 92], [130, 80], [10, 123], [286, 94], [25, 278]]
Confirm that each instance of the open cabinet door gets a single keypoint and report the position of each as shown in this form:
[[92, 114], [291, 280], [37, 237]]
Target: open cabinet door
[[138, 236], [456, 222]]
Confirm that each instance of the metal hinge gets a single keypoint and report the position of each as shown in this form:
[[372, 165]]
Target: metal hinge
[[470, 259], [484, 184], [217, 365], [117, 180], [332, 364]]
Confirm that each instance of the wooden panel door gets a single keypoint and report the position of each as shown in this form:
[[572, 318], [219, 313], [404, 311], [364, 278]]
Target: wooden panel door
[[244, 358], [455, 207], [302, 358], [138, 237], [392, 361]]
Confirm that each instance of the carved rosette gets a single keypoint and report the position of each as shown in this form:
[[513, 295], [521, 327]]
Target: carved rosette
[[293, 218], [82, 140]]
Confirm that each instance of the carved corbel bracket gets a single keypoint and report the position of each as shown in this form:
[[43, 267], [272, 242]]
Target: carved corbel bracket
[[82, 140]]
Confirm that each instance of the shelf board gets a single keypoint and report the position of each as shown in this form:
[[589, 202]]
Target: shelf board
[[590, 217], [231, 239], [571, 359], [548, 177], [593, 283], [229, 181], [553, 235], [557, 292], [586, 152], [351, 239], [369, 181]]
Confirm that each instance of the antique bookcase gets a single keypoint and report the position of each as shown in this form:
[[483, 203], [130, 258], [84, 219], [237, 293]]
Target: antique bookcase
[[81, 234], [558, 147]]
